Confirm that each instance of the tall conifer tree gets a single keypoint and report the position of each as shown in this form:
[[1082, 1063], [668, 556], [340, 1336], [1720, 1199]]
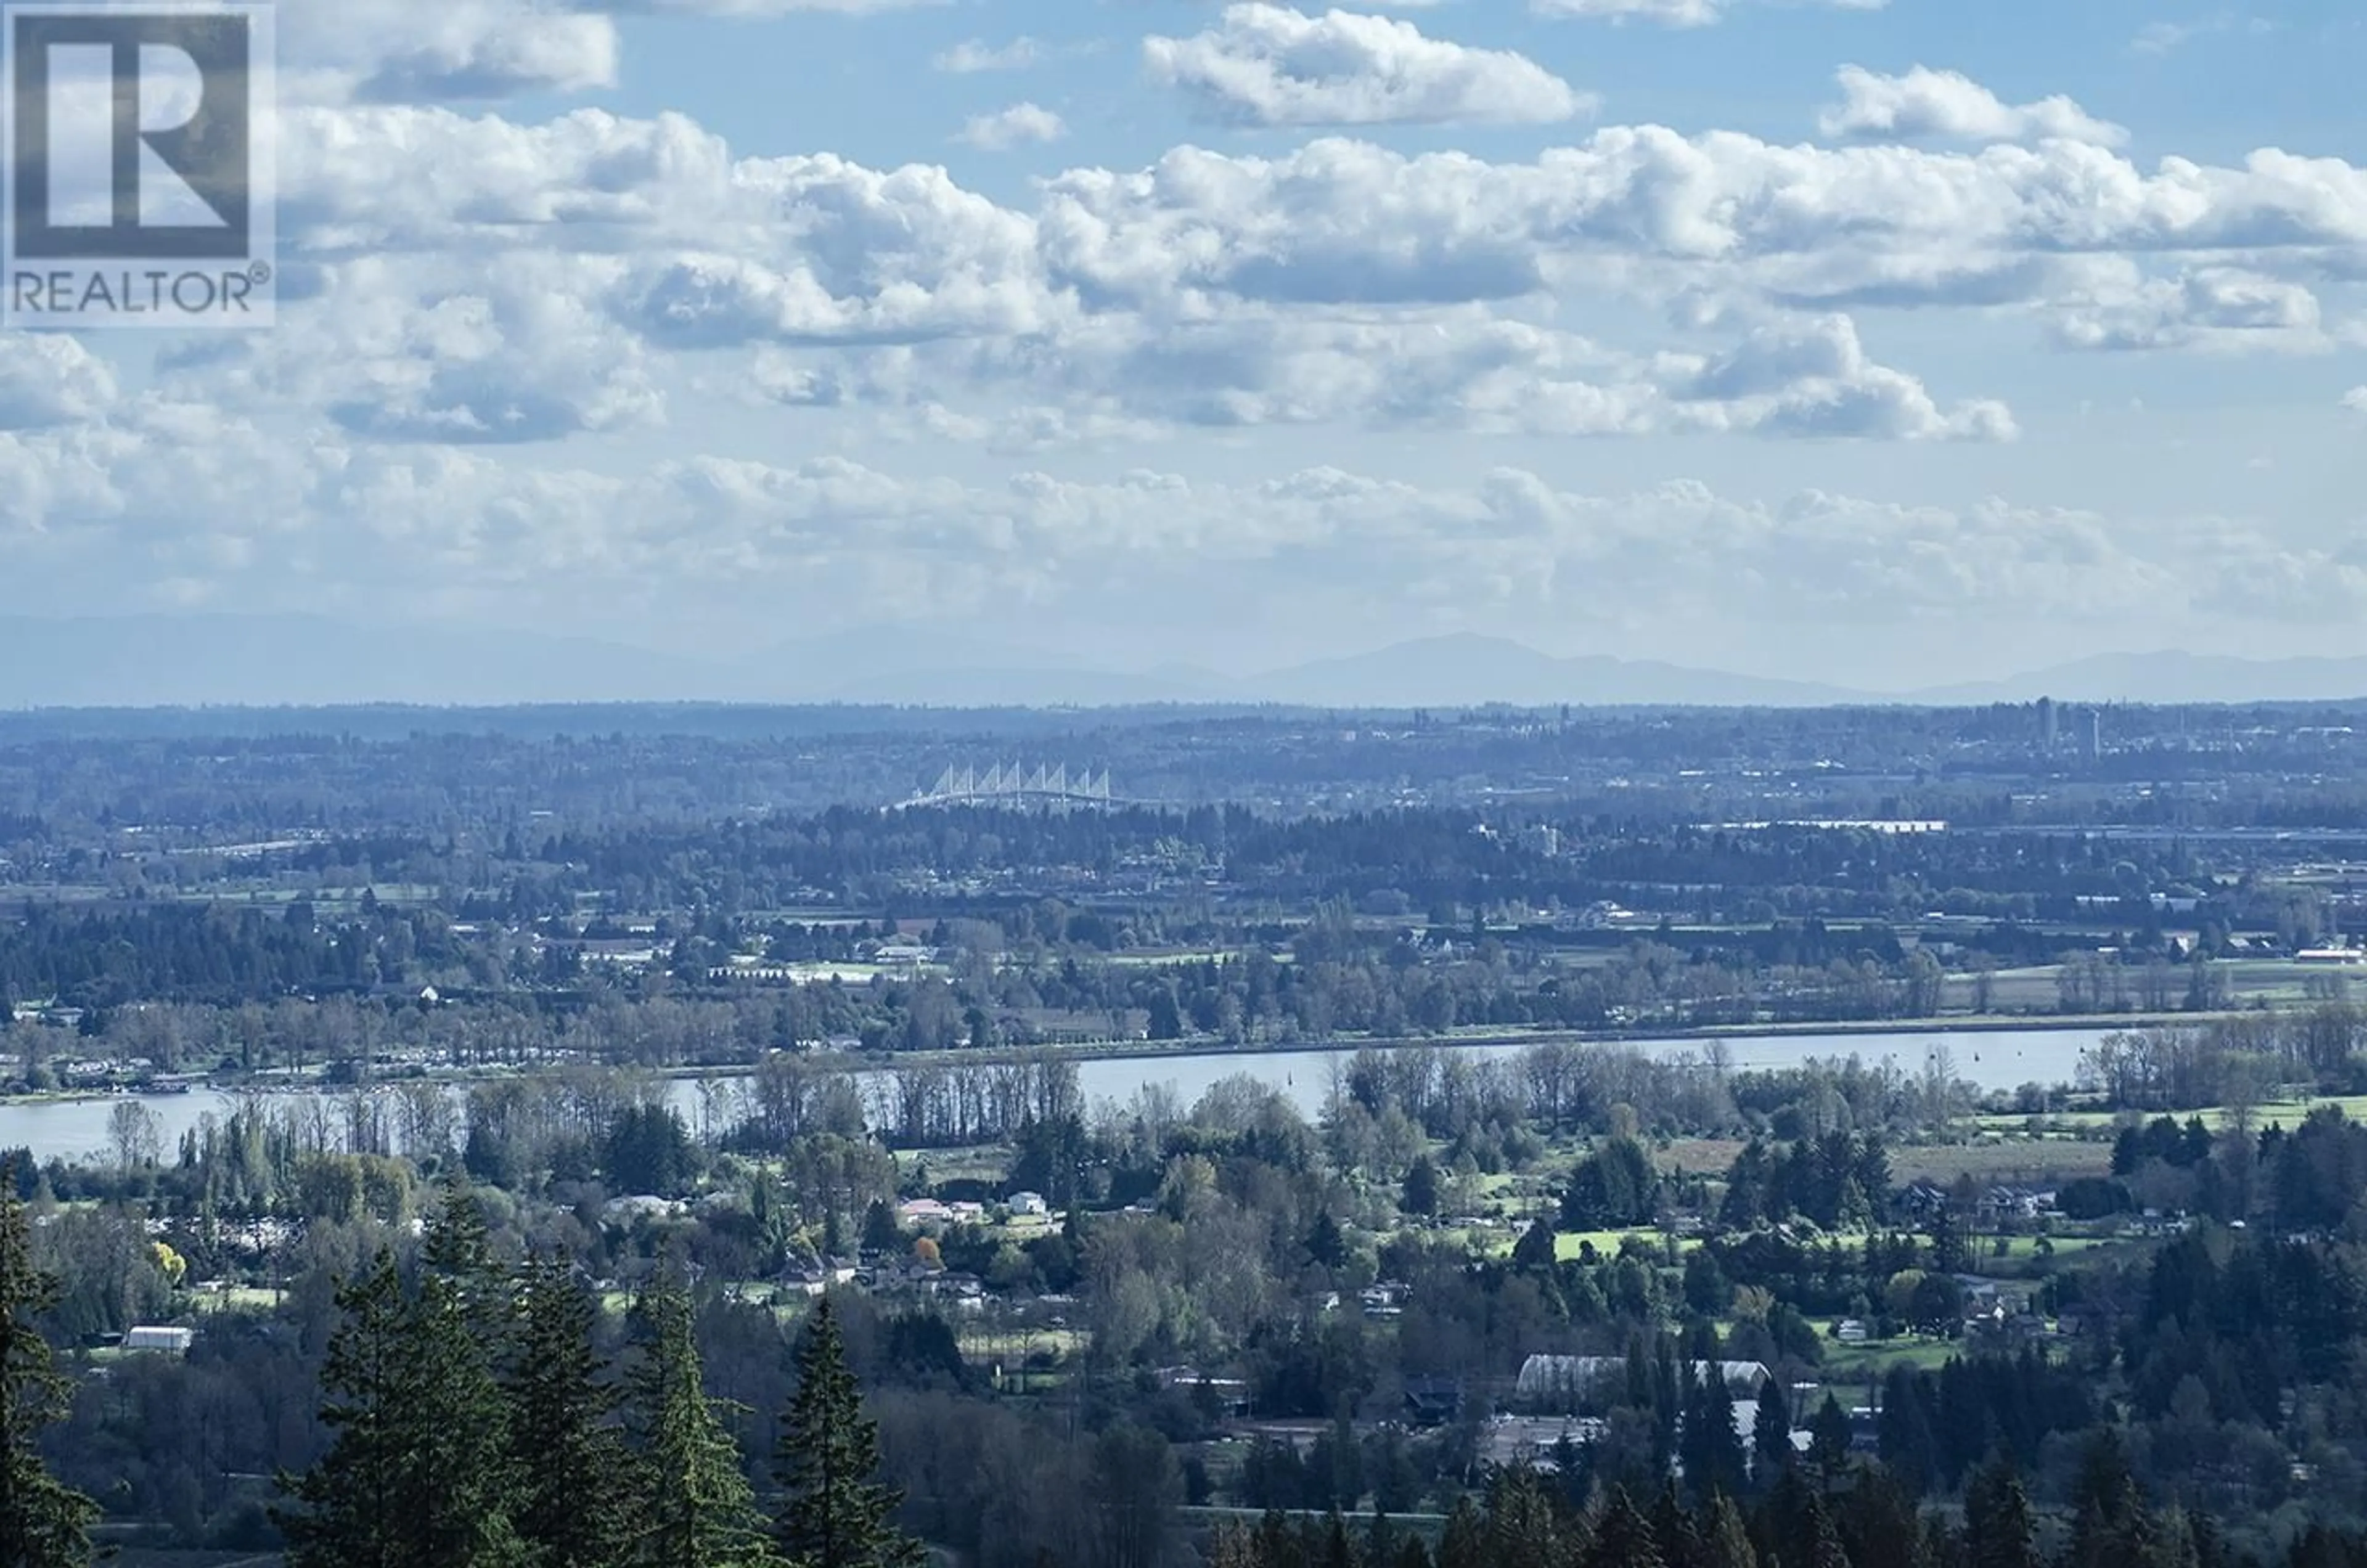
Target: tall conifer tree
[[568, 1452], [1771, 1434], [694, 1508], [346, 1503], [1623, 1537], [420, 1472], [458, 1333], [1726, 1541], [43, 1522], [1997, 1527], [835, 1514]]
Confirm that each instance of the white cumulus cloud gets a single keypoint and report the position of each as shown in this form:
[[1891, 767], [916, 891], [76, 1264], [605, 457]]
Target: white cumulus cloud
[[2220, 308], [1270, 65], [1020, 125], [50, 379], [1948, 104]]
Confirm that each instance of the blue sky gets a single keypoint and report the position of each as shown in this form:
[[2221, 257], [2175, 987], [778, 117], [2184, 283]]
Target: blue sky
[[1240, 336]]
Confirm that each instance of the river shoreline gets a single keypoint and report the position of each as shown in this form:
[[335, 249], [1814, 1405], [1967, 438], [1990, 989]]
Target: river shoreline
[[1493, 1040], [1205, 1049], [1996, 1056]]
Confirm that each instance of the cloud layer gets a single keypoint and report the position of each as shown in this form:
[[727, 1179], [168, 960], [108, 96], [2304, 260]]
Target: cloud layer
[[342, 524], [1061, 350]]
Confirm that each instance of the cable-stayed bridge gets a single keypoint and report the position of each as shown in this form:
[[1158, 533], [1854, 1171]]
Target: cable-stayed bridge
[[1016, 785]]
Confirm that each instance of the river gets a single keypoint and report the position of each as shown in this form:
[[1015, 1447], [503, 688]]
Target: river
[[1988, 1059]]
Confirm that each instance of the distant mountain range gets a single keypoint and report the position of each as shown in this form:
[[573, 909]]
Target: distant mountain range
[[2169, 679], [1443, 672], [294, 660]]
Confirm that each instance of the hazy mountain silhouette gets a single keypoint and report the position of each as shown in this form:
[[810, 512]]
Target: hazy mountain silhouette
[[1450, 670], [2172, 678], [299, 661], [196, 661]]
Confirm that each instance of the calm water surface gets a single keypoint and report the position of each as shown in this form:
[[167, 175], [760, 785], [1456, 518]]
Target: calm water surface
[[1991, 1060]]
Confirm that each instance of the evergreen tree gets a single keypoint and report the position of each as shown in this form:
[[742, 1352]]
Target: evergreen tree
[[1421, 1188], [418, 1474], [1725, 1538], [458, 1332], [1710, 1448], [694, 1506], [1880, 1524], [1905, 1435], [1950, 1253], [2104, 1482], [1614, 1186], [649, 1150], [1997, 1530], [459, 1244], [1338, 1552], [43, 1523], [1785, 1525], [1680, 1541], [1824, 1540], [1829, 1439], [1324, 1242], [1276, 1544], [1771, 1433], [567, 1449], [1668, 1403], [2110, 1530], [346, 1503], [1536, 1250], [1623, 1537], [1464, 1543], [1525, 1528], [834, 1515]]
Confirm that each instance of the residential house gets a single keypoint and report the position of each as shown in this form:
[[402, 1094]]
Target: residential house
[[1433, 1401]]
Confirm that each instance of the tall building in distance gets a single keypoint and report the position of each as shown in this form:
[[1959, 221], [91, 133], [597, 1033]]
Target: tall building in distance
[[2049, 723]]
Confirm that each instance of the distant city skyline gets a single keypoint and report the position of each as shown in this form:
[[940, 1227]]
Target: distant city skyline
[[1875, 346]]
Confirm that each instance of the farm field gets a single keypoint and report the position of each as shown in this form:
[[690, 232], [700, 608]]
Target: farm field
[[2006, 1159], [1863, 1364]]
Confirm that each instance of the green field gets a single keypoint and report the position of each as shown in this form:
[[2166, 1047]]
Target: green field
[[2008, 1158], [237, 1298], [1850, 1363], [2098, 1125], [1607, 1243]]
